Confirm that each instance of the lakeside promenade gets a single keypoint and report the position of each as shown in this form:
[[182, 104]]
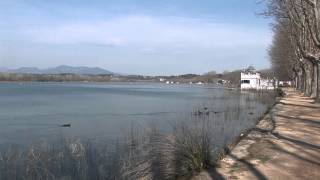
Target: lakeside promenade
[[284, 145]]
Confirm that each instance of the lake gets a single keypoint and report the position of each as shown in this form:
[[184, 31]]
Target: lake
[[30, 112], [119, 130]]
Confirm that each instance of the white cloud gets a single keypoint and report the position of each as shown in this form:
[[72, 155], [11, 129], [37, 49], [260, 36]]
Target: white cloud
[[152, 34]]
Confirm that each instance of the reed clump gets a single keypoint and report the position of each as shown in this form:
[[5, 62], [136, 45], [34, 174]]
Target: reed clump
[[187, 150]]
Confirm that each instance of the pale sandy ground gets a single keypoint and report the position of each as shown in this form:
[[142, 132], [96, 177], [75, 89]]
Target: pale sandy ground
[[284, 145]]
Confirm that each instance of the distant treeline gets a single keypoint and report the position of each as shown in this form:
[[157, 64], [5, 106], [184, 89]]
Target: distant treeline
[[53, 77], [73, 77]]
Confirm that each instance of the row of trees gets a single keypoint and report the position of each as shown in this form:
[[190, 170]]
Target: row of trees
[[53, 77], [295, 52]]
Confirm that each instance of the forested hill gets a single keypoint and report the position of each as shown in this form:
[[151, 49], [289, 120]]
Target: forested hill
[[59, 70]]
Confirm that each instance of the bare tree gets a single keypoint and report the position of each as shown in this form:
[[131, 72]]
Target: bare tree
[[282, 54], [301, 20]]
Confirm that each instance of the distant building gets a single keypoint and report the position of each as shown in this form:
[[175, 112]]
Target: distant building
[[223, 82], [169, 82], [250, 79], [285, 83], [162, 80], [268, 84]]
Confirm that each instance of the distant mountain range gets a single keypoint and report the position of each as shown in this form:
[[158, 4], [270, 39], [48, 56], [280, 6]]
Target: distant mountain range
[[59, 70]]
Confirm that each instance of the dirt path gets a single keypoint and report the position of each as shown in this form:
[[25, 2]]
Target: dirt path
[[284, 145]]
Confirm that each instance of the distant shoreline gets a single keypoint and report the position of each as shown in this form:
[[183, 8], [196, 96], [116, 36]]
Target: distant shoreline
[[217, 79], [209, 85]]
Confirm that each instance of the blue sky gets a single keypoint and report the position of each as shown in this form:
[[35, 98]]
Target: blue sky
[[154, 37]]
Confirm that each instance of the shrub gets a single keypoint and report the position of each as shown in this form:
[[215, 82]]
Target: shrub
[[280, 92]]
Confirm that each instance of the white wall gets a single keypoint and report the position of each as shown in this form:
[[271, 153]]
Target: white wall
[[253, 78]]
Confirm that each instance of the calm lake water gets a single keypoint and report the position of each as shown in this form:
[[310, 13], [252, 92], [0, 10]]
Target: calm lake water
[[31, 112]]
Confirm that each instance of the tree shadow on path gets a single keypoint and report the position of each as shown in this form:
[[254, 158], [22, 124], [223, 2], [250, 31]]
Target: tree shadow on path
[[251, 168]]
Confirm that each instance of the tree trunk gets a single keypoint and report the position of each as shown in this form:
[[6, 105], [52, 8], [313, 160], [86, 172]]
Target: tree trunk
[[296, 81], [308, 79], [318, 82], [314, 88], [303, 80]]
